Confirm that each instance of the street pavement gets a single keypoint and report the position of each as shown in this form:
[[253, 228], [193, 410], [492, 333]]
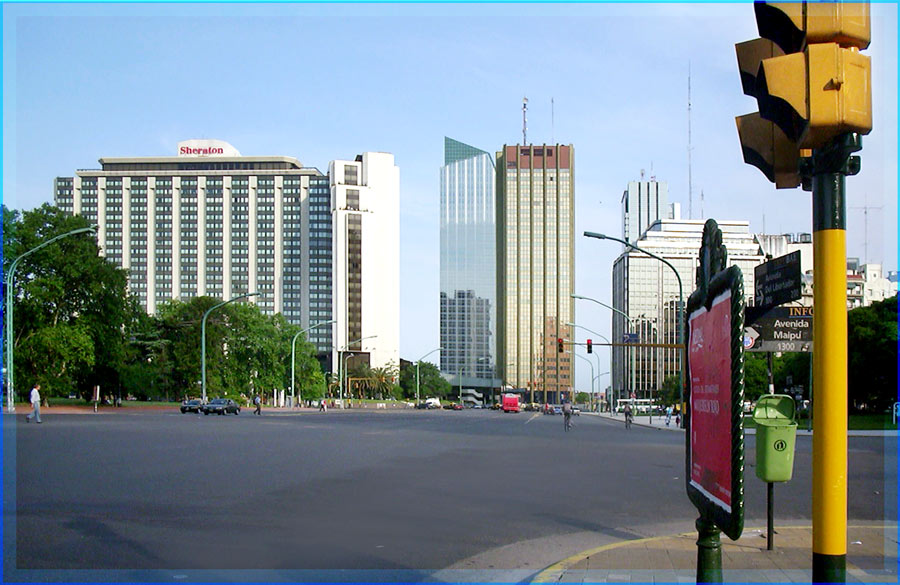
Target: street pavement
[[411, 496]]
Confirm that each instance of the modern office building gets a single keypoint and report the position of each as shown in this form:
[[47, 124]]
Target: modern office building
[[535, 268], [365, 207], [647, 291], [468, 305], [643, 202], [209, 221]]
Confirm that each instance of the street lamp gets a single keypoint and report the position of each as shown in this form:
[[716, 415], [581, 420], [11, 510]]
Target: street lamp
[[342, 370], [678, 321], [630, 323], [293, 352], [203, 339], [10, 275], [592, 371], [419, 361], [600, 335]]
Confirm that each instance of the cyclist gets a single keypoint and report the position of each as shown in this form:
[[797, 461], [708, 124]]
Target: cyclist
[[567, 413], [628, 415]]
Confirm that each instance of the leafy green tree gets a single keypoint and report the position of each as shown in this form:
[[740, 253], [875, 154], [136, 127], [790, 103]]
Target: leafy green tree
[[430, 381], [872, 345], [756, 375], [72, 311], [670, 392]]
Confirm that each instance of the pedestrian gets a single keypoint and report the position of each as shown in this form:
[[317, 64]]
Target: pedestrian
[[35, 398], [668, 414], [258, 403], [322, 406]]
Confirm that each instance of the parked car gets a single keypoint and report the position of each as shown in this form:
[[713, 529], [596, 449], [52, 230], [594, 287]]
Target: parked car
[[557, 409], [190, 406], [496, 406], [457, 406], [576, 411], [221, 406], [422, 406]]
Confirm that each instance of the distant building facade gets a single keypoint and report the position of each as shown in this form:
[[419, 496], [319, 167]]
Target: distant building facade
[[535, 268], [365, 208], [647, 291], [468, 305], [643, 202]]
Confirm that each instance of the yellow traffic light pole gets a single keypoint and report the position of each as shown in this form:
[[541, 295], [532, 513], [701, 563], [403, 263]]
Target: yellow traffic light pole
[[828, 167]]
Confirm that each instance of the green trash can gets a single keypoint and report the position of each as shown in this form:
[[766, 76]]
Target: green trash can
[[776, 431]]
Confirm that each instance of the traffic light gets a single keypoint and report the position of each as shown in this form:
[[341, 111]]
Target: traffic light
[[809, 80], [590, 348], [559, 344]]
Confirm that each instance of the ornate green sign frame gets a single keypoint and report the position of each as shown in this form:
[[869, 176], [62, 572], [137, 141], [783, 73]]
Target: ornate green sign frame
[[714, 281]]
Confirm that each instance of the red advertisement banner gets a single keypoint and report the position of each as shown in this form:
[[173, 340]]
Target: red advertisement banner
[[710, 402]]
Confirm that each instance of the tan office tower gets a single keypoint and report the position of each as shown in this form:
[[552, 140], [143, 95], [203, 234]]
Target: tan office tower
[[536, 269]]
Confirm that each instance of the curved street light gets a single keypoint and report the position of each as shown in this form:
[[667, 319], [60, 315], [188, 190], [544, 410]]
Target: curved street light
[[596, 355], [293, 351], [680, 308], [593, 377], [203, 339], [10, 275], [419, 361]]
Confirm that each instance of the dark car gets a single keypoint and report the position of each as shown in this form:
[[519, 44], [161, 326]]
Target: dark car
[[421, 406], [190, 406], [221, 406]]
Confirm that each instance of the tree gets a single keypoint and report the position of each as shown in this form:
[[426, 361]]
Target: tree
[[430, 381], [670, 393], [872, 346], [383, 380], [72, 311]]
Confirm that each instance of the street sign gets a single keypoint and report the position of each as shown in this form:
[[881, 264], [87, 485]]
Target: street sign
[[715, 392], [631, 338], [787, 329], [777, 281]]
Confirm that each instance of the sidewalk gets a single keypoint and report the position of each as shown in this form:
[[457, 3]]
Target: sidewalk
[[659, 423], [871, 558]]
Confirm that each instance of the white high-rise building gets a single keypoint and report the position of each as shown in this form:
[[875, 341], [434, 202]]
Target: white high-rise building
[[365, 205]]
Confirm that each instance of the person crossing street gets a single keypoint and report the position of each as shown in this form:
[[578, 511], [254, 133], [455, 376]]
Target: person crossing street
[[35, 398]]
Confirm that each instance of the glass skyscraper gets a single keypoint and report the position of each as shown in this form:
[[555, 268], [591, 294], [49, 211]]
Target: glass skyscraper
[[468, 269], [536, 268]]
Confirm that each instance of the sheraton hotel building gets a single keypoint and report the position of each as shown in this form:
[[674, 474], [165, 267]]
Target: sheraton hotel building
[[210, 222]]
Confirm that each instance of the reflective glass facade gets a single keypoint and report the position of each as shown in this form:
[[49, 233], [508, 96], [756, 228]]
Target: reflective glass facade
[[468, 268], [535, 272]]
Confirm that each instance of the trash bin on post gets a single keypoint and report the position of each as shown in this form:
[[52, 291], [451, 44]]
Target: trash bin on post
[[776, 431]]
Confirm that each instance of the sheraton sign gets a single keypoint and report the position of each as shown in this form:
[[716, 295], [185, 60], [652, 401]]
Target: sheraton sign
[[187, 150]]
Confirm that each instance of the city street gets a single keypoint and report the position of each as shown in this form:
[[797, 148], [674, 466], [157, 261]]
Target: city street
[[400, 496]]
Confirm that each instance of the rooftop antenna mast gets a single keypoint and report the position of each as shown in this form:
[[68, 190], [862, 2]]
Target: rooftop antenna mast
[[690, 187], [524, 121], [701, 204], [552, 125], [866, 207]]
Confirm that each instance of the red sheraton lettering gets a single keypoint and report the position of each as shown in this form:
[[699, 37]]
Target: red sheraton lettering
[[201, 151]]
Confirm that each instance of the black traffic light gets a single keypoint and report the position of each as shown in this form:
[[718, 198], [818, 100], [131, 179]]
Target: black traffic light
[[559, 343], [590, 348]]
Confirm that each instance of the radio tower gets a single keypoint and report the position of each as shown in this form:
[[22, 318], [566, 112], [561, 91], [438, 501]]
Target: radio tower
[[690, 188], [524, 121]]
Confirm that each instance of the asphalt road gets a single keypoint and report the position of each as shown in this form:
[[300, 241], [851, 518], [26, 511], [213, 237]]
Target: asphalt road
[[399, 496]]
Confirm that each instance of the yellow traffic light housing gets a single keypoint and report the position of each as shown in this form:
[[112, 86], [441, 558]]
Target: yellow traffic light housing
[[766, 147]]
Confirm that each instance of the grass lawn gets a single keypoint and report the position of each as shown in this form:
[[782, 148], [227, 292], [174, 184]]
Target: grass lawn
[[856, 422]]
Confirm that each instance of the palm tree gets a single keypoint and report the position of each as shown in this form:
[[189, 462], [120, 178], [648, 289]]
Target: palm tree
[[383, 379]]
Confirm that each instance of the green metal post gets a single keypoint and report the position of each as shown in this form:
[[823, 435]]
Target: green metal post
[[709, 552]]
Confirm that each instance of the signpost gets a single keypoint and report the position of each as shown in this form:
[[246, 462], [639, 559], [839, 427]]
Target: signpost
[[714, 450], [785, 329], [777, 281]]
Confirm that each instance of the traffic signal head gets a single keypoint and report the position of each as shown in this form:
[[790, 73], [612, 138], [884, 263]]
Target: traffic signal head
[[809, 80], [559, 343], [590, 348]]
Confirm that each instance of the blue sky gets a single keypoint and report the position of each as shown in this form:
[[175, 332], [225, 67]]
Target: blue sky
[[326, 81]]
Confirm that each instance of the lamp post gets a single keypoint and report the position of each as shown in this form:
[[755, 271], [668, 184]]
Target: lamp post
[[10, 275], [630, 325], [419, 361], [342, 369], [293, 352], [203, 339], [592, 371], [678, 318], [600, 335]]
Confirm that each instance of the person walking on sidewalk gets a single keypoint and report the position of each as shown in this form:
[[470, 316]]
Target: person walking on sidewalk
[[35, 399], [669, 410], [258, 403]]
